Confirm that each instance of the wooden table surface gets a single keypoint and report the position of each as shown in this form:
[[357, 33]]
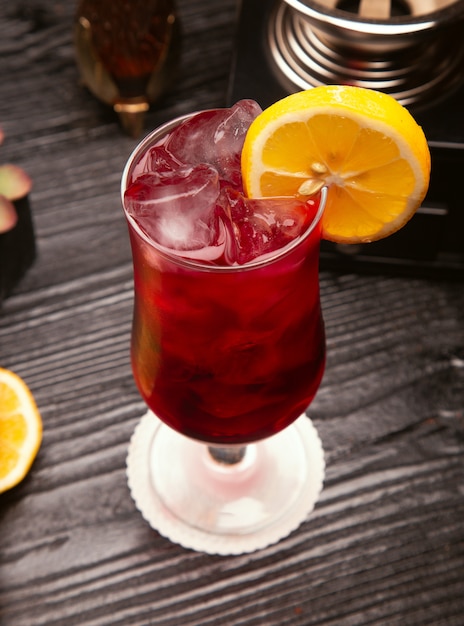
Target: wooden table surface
[[385, 544]]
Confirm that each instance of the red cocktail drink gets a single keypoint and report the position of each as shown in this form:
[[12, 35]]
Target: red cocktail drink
[[228, 342]]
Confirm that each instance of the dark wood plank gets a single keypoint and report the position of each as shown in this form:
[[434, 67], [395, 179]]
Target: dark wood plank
[[385, 544]]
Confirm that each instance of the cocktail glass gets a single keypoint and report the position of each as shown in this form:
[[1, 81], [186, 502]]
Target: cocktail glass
[[227, 358]]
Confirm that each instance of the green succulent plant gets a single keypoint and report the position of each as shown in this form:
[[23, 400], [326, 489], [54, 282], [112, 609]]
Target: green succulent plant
[[14, 184]]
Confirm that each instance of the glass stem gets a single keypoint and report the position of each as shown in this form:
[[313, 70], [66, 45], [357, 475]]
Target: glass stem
[[227, 455]]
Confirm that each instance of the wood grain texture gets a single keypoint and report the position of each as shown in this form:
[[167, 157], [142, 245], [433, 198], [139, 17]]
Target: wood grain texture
[[385, 545]]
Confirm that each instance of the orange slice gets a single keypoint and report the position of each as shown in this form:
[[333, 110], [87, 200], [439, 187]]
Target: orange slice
[[20, 429], [362, 144]]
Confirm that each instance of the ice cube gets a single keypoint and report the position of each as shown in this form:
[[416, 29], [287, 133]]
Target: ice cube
[[156, 159], [177, 209], [261, 226], [215, 137], [160, 160]]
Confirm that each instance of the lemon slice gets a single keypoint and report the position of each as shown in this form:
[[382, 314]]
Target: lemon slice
[[361, 143], [20, 429]]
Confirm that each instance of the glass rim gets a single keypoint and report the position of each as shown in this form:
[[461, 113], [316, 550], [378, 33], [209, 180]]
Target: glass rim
[[173, 255]]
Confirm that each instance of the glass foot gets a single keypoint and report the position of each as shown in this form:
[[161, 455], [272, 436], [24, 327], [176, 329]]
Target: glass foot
[[224, 508]]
